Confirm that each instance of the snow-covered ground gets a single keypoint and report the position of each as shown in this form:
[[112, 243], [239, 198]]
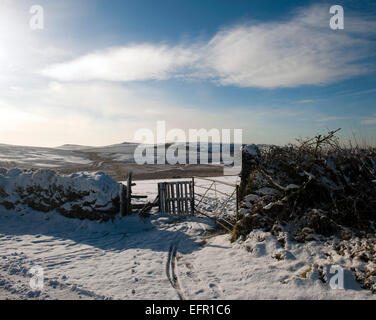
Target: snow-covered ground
[[161, 257], [41, 157]]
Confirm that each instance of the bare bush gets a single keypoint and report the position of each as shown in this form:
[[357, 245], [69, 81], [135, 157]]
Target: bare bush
[[324, 188]]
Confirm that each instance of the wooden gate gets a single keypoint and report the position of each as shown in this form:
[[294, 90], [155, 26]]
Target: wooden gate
[[177, 197]]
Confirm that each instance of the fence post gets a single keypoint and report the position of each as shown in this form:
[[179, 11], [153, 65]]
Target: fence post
[[162, 196], [128, 196], [193, 197], [237, 203], [122, 199], [159, 194]]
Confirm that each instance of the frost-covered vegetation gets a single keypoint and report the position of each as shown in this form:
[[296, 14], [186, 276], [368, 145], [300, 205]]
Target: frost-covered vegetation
[[83, 195], [319, 189]]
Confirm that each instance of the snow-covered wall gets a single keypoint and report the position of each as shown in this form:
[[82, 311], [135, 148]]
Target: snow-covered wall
[[82, 195]]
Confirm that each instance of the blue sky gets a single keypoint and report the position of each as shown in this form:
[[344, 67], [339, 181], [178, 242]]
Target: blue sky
[[100, 70]]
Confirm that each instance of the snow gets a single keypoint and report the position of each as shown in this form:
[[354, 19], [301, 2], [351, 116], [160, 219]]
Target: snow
[[77, 155], [250, 270], [124, 259], [130, 258], [79, 195], [100, 187], [253, 150], [73, 147], [38, 156]]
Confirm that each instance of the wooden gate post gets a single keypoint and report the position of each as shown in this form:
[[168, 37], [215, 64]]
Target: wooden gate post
[[159, 196], [128, 195], [237, 203], [162, 196], [193, 197], [122, 195]]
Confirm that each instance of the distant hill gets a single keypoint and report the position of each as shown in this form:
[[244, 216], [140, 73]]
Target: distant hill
[[73, 147], [116, 160]]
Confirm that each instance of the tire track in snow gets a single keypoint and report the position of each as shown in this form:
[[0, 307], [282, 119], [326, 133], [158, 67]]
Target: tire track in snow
[[192, 275], [171, 270]]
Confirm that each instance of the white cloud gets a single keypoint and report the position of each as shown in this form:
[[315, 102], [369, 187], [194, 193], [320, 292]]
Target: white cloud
[[327, 119], [301, 51], [306, 101], [131, 63]]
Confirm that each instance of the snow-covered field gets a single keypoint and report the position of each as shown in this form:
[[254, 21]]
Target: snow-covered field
[[161, 257], [115, 160], [41, 157], [67, 155]]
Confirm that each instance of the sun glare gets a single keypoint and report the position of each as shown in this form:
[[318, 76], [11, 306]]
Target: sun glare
[[13, 32]]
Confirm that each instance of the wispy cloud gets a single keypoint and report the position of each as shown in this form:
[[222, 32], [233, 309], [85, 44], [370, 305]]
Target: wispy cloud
[[131, 63], [327, 119], [301, 51], [369, 121], [306, 101]]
